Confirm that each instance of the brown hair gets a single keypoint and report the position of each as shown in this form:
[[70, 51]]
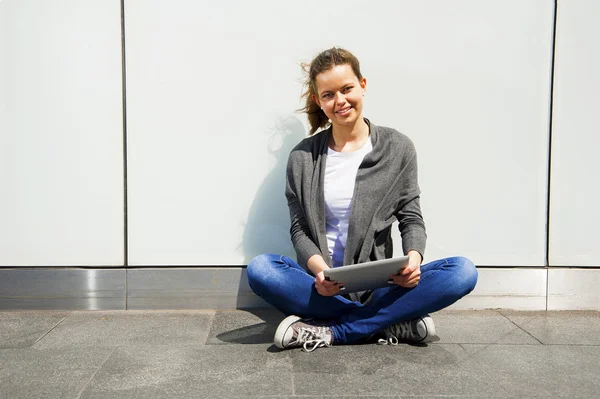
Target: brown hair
[[321, 63]]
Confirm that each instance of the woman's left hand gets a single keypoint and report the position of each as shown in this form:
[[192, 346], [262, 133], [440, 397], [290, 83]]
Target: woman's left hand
[[409, 276]]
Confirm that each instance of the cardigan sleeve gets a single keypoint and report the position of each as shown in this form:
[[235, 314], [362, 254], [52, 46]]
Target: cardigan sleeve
[[412, 227], [410, 218], [301, 236]]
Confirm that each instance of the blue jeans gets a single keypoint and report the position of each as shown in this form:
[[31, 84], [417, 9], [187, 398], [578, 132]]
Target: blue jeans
[[286, 285]]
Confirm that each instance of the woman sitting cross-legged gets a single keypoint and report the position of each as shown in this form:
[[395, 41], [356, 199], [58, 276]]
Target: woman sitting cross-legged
[[345, 187]]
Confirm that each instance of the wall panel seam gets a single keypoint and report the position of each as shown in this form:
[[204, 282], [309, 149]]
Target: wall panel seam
[[125, 199], [550, 122]]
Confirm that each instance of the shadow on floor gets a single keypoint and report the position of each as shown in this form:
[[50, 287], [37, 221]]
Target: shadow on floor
[[241, 327]]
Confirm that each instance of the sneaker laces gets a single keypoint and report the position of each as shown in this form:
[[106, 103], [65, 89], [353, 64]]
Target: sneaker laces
[[402, 330], [313, 338]]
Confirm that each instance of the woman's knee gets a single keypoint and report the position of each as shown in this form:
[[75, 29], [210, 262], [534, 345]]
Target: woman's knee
[[464, 274], [266, 269], [259, 267], [467, 272]]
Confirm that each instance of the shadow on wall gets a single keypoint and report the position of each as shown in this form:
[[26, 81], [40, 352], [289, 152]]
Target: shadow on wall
[[267, 229]]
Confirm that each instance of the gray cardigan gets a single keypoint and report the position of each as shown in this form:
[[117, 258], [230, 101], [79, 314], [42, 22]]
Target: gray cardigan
[[386, 189]]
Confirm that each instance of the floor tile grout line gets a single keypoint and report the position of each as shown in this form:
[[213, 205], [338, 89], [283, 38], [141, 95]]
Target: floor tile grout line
[[532, 345], [292, 372], [521, 328], [490, 376], [507, 333], [209, 330], [95, 372], [49, 331], [507, 344]]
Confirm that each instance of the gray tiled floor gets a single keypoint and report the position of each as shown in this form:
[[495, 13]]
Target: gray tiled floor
[[195, 354], [21, 330]]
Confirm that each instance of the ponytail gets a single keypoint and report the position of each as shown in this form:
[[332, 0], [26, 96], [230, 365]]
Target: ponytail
[[316, 117]]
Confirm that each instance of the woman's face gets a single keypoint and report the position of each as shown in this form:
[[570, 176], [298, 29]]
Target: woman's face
[[340, 94]]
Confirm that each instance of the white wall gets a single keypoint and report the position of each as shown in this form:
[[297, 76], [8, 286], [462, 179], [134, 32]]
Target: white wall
[[575, 214], [211, 93], [470, 84], [61, 151]]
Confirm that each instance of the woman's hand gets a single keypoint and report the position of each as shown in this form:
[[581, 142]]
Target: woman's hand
[[317, 265], [409, 276], [326, 288]]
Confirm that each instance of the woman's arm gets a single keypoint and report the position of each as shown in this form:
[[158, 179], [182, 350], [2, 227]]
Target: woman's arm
[[301, 236], [412, 227], [411, 274], [316, 264], [412, 230], [304, 245]]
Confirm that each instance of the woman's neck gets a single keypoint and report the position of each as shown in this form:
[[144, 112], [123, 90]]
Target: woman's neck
[[349, 138]]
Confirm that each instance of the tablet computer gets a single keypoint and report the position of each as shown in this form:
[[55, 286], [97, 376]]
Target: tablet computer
[[366, 276]]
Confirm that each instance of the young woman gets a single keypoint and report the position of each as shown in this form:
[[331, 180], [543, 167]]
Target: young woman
[[345, 187]]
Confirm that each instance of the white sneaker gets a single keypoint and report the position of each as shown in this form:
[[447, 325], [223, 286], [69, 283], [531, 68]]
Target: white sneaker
[[419, 330], [293, 332]]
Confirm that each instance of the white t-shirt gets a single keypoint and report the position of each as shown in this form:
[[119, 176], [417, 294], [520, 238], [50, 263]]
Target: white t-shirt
[[340, 176]]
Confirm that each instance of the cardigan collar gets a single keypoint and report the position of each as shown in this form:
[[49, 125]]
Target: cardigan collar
[[317, 197], [324, 144]]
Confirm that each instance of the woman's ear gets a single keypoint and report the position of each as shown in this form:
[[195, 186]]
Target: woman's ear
[[315, 99], [363, 83]]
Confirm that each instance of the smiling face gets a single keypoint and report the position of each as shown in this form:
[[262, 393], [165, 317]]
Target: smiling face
[[340, 95]]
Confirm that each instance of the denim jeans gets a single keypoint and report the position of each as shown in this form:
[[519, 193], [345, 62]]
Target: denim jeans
[[286, 285]]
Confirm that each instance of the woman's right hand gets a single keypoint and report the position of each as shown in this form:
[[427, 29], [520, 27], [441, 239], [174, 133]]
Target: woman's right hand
[[326, 288]]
